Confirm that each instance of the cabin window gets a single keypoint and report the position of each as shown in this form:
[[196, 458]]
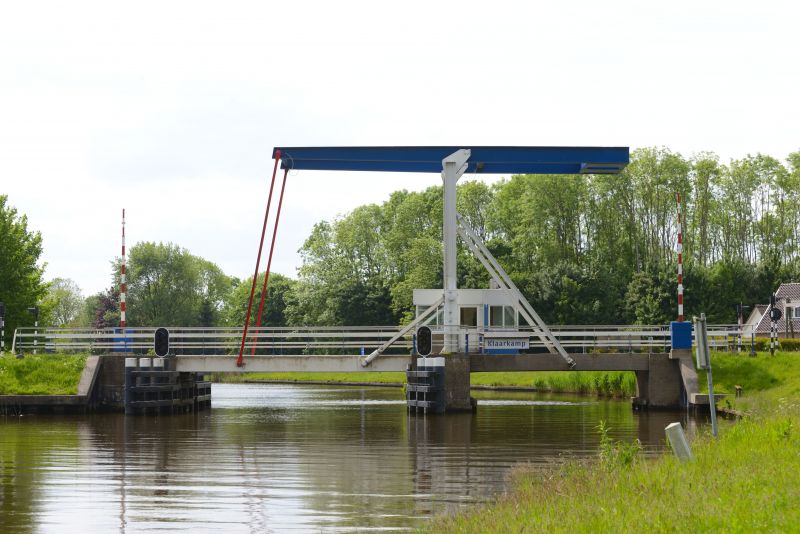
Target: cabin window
[[508, 317], [435, 319], [496, 316], [469, 316], [501, 317]]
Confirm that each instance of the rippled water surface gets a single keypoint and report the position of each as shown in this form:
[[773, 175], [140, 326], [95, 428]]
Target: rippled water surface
[[275, 458]]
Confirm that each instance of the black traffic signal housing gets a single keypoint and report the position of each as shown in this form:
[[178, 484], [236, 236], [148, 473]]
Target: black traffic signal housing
[[424, 341], [775, 313], [161, 342]]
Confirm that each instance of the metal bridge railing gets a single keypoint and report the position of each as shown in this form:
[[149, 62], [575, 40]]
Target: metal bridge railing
[[592, 338], [339, 340], [209, 341]]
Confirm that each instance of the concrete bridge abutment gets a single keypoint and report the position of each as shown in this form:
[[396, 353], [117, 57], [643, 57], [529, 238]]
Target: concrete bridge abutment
[[661, 385], [669, 382]]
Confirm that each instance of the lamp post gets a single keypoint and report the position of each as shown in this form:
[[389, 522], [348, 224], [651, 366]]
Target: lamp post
[[34, 310]]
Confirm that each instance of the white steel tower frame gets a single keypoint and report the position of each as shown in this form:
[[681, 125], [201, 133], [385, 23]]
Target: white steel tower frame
[[453, 167]]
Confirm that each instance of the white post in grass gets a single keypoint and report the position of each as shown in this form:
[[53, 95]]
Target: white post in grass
[[678, 442]]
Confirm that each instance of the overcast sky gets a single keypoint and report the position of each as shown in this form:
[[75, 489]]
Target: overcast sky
[[171, 109]]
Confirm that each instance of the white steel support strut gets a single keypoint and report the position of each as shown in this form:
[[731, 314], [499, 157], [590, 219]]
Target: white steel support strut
[[453, 166], [481, 252], [405, 330]]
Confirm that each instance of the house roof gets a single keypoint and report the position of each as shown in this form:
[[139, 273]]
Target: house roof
[[765, 324], [756, 313], [786, 292], [789, 291]]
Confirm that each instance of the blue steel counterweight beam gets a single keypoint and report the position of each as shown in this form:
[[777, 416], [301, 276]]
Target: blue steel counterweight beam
[[483, 159]]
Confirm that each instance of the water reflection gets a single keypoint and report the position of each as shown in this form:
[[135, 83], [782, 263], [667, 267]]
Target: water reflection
[[279, 458]]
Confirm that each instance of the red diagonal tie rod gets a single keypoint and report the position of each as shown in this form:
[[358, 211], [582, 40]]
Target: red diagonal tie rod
[[269, 261], [239, 360]]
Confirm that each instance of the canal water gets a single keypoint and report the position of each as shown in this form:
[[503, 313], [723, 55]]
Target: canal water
[[277, 458]]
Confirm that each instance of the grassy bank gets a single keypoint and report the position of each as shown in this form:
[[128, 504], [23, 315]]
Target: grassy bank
[[765, 380], [43, 374], [373, 378], [613, 383], [605, 383], [747, 480]]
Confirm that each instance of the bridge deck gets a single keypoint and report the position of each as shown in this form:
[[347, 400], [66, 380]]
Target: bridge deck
[[478, 363]]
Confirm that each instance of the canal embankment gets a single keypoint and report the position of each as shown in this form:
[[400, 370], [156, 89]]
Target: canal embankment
[[52, 382], [68, 383], [746, 480], [41, 374]]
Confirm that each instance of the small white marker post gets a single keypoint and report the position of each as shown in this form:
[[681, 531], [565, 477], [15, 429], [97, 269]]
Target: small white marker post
[[678, 442], [704, 362]]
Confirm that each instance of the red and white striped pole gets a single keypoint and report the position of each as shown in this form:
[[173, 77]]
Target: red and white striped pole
[[680, 262], [122, 284]]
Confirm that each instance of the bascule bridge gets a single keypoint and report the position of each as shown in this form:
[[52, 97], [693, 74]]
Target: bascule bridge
[[465, 329]]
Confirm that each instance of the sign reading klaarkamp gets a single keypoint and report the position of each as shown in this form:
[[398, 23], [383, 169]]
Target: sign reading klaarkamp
[[507, 343]]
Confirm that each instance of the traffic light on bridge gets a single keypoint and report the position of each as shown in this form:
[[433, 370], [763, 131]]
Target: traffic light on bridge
[[424, 341], [161, 342]]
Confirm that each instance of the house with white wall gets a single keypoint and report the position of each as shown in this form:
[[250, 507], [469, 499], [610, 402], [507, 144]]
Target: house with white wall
[[787, 299]]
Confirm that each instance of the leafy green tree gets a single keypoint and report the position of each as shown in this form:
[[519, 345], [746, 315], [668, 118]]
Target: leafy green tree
[[63, 301], [583, 249], [86, 316], [646, 300], [274, 313], [103, 309], [706, 174], [21, 283], [169, 286]]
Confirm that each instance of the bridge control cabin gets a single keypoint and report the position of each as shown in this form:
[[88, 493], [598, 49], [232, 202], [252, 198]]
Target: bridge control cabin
[[489, 321]]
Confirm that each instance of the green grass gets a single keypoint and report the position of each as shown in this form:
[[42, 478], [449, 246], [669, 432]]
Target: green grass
[[747, 480], [43, 374], [765, 379], [377, 378], [613, 383], [605, 383]]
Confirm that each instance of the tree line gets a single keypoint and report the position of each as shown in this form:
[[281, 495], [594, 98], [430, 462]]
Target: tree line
[[584, 249]]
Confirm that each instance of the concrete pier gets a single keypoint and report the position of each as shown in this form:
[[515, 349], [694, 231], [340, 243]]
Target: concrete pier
[[456, 383], [661, 385], [439, 384]]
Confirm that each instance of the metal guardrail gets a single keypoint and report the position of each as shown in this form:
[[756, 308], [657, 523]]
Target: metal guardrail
[[342, 340], [209, 341], [589, 338]]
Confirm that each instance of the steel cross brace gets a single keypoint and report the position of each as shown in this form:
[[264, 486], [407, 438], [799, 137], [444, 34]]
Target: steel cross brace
[[481, 252]]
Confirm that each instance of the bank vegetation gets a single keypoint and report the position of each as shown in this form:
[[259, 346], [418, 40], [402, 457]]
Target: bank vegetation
[[746, 480], [41, 374]]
